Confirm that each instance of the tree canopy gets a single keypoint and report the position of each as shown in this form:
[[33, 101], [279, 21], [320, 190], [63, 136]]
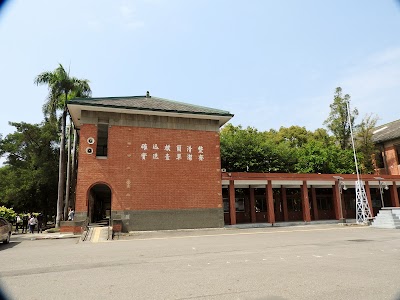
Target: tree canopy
[[338, 121], [62, 87], [296, 149], [28, 181], [292, 149]]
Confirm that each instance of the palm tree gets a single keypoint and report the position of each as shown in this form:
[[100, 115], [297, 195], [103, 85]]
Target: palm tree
[[62, 87]]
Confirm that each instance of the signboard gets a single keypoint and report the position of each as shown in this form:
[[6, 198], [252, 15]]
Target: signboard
[[171, 152]]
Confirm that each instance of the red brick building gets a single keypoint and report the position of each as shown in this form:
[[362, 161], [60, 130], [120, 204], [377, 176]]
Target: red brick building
[[387, 139], [285, 197], [150, 162]]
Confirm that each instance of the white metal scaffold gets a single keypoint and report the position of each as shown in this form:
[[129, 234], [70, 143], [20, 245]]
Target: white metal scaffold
[[363, 212]]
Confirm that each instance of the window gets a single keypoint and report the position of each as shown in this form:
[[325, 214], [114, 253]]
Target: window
[[324, 199], [349, 201], [294, 204], [239, 203], [324, 202], [398, 154], [261, 202], [379, 159], [226, 204], [293, 197], [102, 139]]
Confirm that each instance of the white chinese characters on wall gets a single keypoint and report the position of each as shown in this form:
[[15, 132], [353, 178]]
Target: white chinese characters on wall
[[171, 152]]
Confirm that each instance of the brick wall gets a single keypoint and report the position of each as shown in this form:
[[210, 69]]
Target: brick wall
[[392, 160], [152, 184]]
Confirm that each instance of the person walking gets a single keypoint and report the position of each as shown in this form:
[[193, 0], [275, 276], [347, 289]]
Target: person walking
[[32, 222], [40, 223], [71, 213], [18, 223], [25, 220]]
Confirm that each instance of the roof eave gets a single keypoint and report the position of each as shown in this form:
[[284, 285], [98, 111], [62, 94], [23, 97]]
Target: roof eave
[[75, 110]]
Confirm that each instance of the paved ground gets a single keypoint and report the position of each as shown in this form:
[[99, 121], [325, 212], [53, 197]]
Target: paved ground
[[310, 262]]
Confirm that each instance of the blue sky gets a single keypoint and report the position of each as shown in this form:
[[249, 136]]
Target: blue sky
[[271, 63]]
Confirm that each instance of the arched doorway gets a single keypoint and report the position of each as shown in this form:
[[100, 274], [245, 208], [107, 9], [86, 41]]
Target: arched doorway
[[99, 207]]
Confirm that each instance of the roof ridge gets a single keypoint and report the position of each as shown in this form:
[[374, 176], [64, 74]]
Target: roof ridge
[[195, 105], [386, 124], [103, 98], [151, 97]]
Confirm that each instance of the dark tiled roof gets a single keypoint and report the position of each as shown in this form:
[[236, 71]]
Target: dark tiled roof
[[387, 132], [148, 103]]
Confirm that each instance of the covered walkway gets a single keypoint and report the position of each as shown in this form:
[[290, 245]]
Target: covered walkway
[[287, 197]]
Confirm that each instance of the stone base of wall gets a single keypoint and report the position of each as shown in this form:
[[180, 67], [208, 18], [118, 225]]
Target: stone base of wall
[[75, 227], [80, 216], [145, 220]]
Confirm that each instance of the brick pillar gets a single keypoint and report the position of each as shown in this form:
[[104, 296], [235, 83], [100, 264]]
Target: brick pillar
[[284, 205], [252, 206], [314, 203], [368, 193], [394, 195], [232, 206], [305, 202], [336, 199], [270, 202]]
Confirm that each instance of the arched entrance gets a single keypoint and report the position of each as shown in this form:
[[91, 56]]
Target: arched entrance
[[99, 207]]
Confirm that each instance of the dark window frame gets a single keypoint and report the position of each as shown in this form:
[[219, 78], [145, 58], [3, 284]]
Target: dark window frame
[[102, 140]]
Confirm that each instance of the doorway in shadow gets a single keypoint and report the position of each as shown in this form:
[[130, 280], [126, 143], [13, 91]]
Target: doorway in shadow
[[99, 208]]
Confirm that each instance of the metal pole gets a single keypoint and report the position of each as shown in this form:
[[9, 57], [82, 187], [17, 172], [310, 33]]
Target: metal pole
[[363, 212], [340, 202], [352, 140], [381, 192]]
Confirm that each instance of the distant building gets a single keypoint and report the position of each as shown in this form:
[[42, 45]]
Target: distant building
[[387, 139]]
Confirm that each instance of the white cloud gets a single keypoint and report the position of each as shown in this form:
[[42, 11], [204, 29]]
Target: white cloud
[[126, 11], [123, 16], [386, 56], [128, 17], [374, 84], [94, 24], [134, 25]]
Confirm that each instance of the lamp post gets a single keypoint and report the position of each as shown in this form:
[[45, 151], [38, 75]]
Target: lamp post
[[342, 187], [382, 185]]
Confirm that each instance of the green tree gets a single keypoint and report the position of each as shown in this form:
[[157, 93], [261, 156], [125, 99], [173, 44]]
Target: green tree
[[296, 136], [241, 149], [7, 213], [364, 144], [28, 180], [251, 150], [62, 87], [338, 120]]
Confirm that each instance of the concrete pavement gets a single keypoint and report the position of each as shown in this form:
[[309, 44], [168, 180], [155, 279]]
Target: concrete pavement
[[309, 262], [42, 236]]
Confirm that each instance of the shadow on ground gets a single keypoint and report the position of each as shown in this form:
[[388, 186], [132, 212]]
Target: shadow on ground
[[8, 246]]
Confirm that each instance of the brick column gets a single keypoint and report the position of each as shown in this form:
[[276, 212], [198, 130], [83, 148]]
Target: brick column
[[394, 195], [368, 193], [305, 202], [284, 204], [336, 199], [270, 202], [314, 203], [232, 206], [252, 206]]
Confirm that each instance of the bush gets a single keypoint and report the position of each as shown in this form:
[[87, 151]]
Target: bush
[[7, 213]]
